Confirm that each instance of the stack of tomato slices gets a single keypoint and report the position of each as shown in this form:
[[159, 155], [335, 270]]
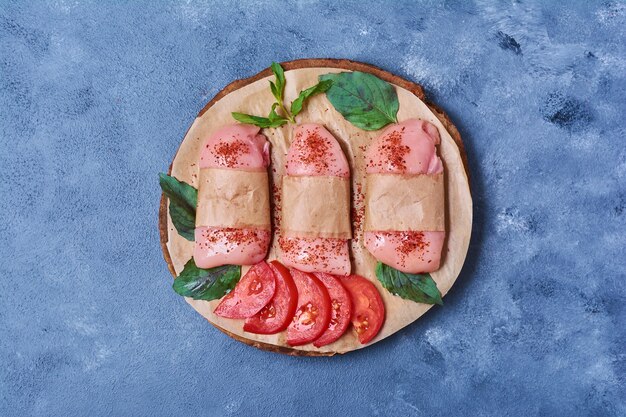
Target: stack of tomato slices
[[314, 308]]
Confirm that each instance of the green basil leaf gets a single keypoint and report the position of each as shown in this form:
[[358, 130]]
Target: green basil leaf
[[296, 105], [206, 284], [184, 220], [279, 73], [275, 91], [363, 99], [183, 201], [276, 119], [273, 116], [278, 123], [252, 120], [262, 122], [420, 288]]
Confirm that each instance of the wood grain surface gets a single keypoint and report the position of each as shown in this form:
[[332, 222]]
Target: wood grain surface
[[414, 88]]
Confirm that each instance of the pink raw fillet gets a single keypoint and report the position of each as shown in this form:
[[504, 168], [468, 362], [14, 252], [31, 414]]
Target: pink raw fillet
[[412, 152], [241, 147], [315, 152]]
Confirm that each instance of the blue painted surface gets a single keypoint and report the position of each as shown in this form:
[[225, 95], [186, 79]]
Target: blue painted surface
[[94, 100]]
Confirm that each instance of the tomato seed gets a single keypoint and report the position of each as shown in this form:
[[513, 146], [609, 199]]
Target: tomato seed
[[255, 287], [306, 315], [268, 312]]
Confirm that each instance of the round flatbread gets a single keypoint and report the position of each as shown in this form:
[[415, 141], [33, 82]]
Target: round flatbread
[[252, 95]]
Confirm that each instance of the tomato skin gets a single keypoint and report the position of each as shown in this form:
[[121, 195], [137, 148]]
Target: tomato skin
[[368, 312], [253, 291], [313, 313], [341, 310], [277, 314]]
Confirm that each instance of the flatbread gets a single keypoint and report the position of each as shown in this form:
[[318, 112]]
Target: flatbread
[[252, 96]]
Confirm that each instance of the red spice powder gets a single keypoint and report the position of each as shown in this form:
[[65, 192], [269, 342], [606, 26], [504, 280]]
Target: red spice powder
[[410, 243], [276, 194], [228, 153], [355, 223], [319, 254], [287, 245], [393, 151], [358, 211], [315, 150], [276, 199], [230, 235]]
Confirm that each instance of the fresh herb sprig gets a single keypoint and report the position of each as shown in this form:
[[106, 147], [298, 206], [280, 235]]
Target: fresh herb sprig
[[277, 87], [278, 90]]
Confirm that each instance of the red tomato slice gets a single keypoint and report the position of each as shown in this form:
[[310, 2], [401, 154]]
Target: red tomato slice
[[250, 295], [277, 314], [341, 310], [313, 314], [368, 310]]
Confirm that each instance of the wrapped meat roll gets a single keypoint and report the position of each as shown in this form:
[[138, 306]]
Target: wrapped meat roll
[[316, 203], [233, 214], [404, 200]]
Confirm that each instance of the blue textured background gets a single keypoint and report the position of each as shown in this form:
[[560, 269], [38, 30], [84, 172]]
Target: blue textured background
[[94, 101]]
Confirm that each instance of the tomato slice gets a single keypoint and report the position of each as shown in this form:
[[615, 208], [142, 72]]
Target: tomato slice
[[341, 310], [313, 314], [277, 314], [368, 310], [250, 295]]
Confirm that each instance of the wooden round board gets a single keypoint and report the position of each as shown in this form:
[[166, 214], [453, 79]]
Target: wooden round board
[[252, 95]]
